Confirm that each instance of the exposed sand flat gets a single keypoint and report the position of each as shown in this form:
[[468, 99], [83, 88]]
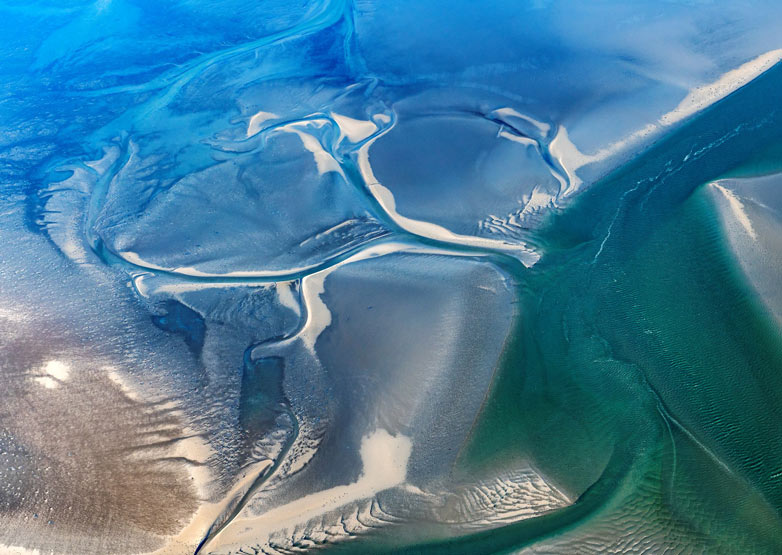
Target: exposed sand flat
[[384, 457], [751, 213], [737, 209], [87, 466]]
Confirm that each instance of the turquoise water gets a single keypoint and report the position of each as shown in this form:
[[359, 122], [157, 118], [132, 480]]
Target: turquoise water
[[643, 372]]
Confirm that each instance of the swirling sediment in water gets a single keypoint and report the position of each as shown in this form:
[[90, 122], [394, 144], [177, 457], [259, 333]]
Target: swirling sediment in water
[[413, 278]]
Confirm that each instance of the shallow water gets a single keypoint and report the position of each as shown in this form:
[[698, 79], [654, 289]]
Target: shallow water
[[390, 278]]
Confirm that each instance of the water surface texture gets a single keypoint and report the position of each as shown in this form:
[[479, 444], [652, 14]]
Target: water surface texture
[[410, 277]]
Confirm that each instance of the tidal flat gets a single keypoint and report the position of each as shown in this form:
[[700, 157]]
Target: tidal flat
[[408, 277]]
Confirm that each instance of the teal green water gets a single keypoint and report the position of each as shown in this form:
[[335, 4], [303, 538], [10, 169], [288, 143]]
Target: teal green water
[[643, 377]]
